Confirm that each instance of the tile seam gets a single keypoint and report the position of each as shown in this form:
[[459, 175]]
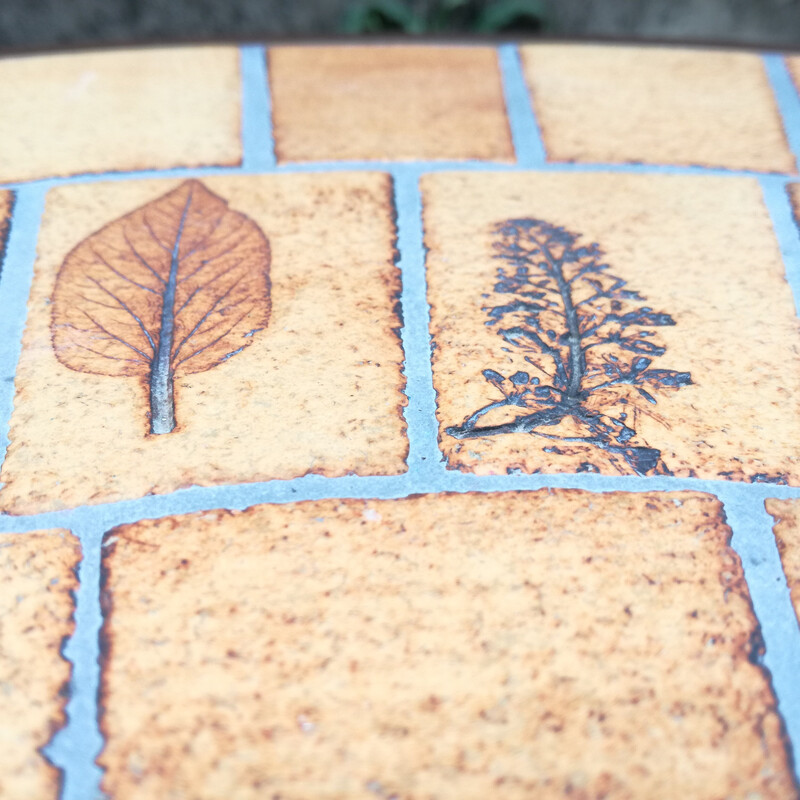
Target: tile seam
[[754, 542], [298, 168], [15, 286], [520, 109], [75, 746], [786, 100], [258, 141], [316, 487], [779, 206], [424, 458]]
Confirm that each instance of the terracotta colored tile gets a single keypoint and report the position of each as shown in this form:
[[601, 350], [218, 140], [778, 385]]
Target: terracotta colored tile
[[37, 579], [455, 646], [393, 103], [700, 252], [119, 110], [657, 106], [787, 534], [312, 386]]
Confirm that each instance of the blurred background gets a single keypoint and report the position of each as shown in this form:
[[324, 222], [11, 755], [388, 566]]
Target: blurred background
[[44, 24]]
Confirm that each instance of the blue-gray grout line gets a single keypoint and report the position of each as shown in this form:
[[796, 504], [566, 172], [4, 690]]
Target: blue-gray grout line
[[390, 166], [14, 290], [77, 744], [258, 147], [755, 543], [776, 198], [786, 96], [75, 747], [318, 487], [424, 456], [525, 132]]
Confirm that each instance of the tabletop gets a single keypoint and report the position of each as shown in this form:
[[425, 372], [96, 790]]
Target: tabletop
[[400, 421]]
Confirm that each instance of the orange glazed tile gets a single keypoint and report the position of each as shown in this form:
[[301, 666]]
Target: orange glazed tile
[[517, 645], [37, 581], [611, 323], [119, 110], [279, 355], [390, 103], [787, 534], [657, 106]]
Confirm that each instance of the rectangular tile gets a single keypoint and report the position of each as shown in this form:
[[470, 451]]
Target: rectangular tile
[[515, 645], [787, 534], [654, 105], [685, 358], [37, 581], [283, 343], [388, 103], [119, 110]]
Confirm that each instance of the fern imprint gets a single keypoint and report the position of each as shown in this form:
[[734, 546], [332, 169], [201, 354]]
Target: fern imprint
[[175, 287], [590, 345]]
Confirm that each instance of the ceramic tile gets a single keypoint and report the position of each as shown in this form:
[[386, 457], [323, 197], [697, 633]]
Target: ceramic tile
[[284, 343], [688, 355], [119, 110], [392, 103], [656, 106], [508, 645], [238, 331], [787, 534], [37, 578]]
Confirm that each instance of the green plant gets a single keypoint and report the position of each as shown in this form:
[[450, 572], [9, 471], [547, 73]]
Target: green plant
[[385, 16]]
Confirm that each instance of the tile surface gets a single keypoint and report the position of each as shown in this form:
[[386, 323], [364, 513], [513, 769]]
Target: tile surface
[[709, 290], [656, 106], [315, 389], [452, 646], [394, 103], [215, 296], [37, 578], [787, 534], [119, 110]]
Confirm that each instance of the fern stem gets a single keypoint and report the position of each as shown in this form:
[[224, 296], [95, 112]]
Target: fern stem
[[576, 361]]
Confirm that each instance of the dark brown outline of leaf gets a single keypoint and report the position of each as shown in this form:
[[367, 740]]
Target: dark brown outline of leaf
[[177, 286]]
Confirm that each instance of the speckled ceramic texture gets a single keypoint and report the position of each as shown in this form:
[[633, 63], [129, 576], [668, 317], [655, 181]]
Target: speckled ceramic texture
[[37, 582], [319, 390], [720, 279], [517, 645], [399, 422], [445, 103], [119, 111], [655, 106]]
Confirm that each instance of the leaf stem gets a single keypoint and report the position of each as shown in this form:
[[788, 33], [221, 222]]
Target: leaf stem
[[162, 397]]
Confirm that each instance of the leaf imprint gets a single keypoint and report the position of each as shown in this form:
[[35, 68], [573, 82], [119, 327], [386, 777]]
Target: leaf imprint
[[588, 345], [175, 287]]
